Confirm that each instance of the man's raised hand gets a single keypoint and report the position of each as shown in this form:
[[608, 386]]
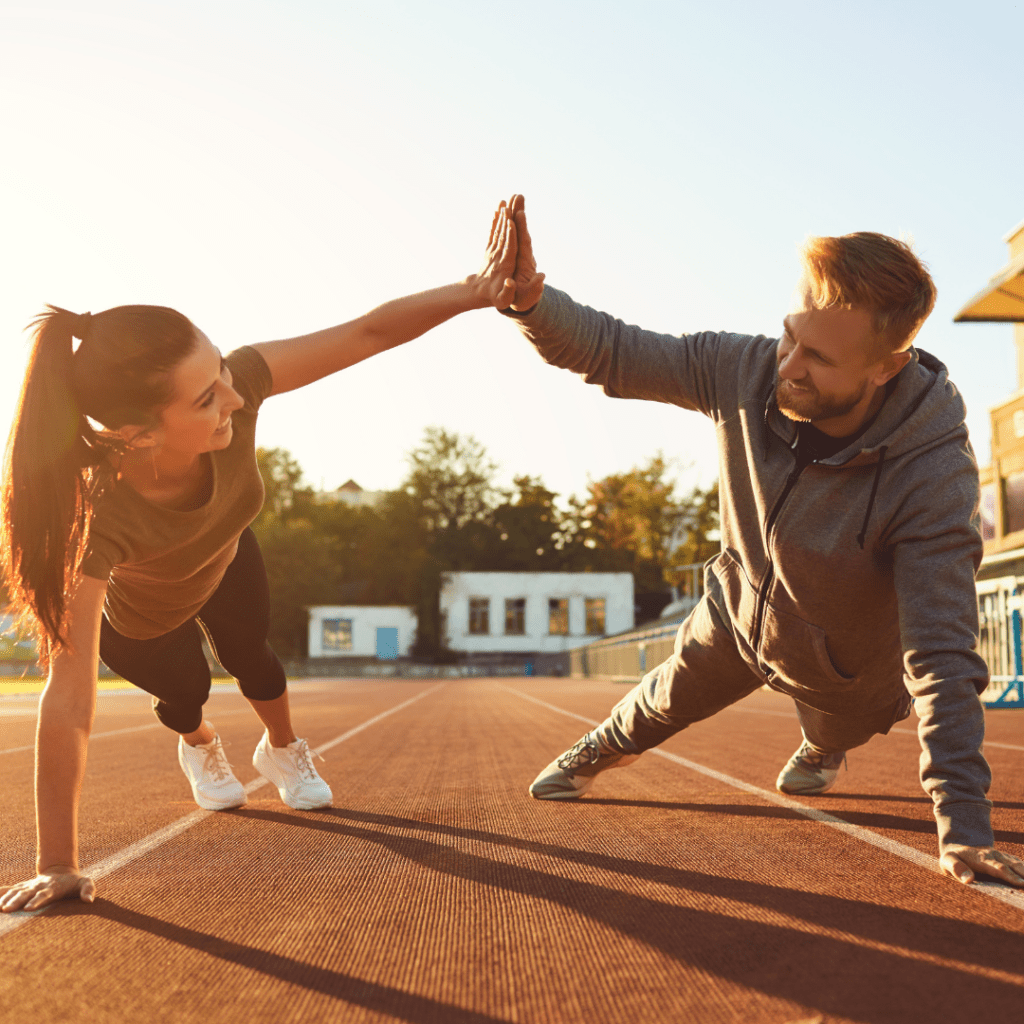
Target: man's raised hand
[[529, 284]]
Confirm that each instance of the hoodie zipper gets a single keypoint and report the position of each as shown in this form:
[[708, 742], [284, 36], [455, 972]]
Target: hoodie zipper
[[769, 573]]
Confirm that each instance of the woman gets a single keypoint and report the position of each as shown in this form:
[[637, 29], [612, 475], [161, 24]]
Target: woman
[[122, 543]]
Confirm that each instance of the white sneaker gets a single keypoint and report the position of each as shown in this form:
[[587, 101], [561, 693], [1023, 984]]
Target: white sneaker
[[213, 783], [291, 770]]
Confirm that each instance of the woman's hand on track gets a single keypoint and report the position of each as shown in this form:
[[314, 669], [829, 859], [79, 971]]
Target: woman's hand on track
[[58, 882], [965, 863]]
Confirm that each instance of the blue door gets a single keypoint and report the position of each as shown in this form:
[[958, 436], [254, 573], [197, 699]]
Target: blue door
[[387, 643]]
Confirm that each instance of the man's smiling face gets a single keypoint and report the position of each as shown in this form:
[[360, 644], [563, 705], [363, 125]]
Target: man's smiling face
[[827, 361]]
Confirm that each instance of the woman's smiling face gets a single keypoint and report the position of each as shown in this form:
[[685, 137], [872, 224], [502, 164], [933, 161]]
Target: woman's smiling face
[[198, 417]]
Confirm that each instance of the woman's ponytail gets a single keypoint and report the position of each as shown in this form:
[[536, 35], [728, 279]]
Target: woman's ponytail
[[45, 510], [57, 463]]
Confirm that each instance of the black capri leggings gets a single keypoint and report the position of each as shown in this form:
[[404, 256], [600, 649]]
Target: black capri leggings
[[173, 667]]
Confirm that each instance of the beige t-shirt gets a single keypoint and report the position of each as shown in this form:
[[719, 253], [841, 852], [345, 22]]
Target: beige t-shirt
[[161, 565]]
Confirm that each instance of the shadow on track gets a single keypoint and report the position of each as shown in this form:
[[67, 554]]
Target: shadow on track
[[865, 819], [840, 974], [404, 1006]]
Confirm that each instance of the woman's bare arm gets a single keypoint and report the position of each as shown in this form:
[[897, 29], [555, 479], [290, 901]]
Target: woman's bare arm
[[66, 712], [295, 362]]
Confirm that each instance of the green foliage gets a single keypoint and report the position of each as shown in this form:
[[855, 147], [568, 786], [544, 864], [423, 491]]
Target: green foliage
[[449, 515]]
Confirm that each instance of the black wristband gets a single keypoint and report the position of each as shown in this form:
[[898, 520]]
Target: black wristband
[[518, 313]]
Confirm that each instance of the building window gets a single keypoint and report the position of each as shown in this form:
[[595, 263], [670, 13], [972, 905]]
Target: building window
[[336, 635], [479, 615], [595, 616], [558, 616], [515, 616], [988, 511], [1013, 497]]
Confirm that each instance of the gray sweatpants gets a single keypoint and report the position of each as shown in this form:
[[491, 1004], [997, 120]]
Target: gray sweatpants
[[706, 674]]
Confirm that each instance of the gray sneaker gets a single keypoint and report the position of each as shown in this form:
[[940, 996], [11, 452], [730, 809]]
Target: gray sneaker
[[810, 772], [571, 775]]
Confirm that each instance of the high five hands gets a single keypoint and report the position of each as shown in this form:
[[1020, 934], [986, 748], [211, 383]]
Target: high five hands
[[509, 275]]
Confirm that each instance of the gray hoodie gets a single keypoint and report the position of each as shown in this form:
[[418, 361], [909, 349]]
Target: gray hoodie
[[847, 580]]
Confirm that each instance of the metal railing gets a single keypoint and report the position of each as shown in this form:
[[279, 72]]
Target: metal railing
[[999, 640], [628, 656]]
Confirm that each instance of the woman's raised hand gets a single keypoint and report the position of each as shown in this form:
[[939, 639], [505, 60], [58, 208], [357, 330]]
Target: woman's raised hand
[[494, 283], [58, 882]]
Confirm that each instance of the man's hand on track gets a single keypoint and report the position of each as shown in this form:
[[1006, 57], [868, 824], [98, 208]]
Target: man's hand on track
[[55, 883], [965, 863]]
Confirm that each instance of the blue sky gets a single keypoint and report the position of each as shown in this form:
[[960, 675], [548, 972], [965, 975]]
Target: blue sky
[[271, 168]]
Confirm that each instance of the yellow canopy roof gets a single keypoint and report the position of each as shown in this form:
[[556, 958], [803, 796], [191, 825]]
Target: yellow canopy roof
[[1002, 299]]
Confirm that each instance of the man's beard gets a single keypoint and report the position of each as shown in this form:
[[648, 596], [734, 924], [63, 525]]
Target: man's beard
[[809, 406]]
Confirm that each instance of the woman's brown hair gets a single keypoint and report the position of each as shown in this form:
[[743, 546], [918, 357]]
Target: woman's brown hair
[[57, 462]]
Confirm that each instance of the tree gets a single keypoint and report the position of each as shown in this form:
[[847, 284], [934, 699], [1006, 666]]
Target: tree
[[282, 479], [629, 521], [634, 522], [528, 530], [451, 483], [698, 533], [449, 515], [452, 479]]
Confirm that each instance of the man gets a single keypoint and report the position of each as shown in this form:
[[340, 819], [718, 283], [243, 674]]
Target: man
[[849, 496]]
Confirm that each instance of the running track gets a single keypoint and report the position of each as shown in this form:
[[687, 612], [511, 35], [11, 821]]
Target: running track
[[685, 889]]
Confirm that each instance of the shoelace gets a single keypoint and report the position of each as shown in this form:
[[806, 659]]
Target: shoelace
[[817, 759], [216, 763], [584, 752], [304, 762]]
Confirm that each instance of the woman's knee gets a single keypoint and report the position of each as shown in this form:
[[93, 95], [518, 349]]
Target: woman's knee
[[181, 718], [259, 673]]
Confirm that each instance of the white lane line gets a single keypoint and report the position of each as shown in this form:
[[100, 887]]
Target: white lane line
[[902, 732], [1014, 897], [122, 732], [9, 922]]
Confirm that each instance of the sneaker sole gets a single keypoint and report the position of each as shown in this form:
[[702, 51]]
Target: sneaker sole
[[297, 805], [795, 789], [301, 806], [210, 805], [574, 795]]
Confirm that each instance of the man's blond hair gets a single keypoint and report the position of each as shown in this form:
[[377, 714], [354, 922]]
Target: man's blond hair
[[873, 272]]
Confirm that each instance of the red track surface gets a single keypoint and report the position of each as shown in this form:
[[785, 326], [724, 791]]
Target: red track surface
[[435, 890]]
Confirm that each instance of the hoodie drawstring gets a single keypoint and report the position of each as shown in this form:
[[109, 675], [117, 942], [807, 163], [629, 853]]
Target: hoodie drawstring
[[871, 501]]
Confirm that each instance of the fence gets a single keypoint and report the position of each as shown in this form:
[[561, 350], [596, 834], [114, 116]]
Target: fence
[[625, 658], [999, 643], [628, 656]]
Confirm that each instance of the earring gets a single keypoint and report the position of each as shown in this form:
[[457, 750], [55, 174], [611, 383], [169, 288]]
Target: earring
[[152, 462]]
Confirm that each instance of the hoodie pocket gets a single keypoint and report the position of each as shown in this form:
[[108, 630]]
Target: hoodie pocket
[[797, 650]]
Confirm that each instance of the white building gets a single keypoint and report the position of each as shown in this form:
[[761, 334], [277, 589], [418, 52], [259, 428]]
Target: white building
[[349, 493], [361, 631], [533, 611]]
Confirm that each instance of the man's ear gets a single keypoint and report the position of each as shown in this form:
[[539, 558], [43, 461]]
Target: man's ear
[[138, 437], [890, 366]]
